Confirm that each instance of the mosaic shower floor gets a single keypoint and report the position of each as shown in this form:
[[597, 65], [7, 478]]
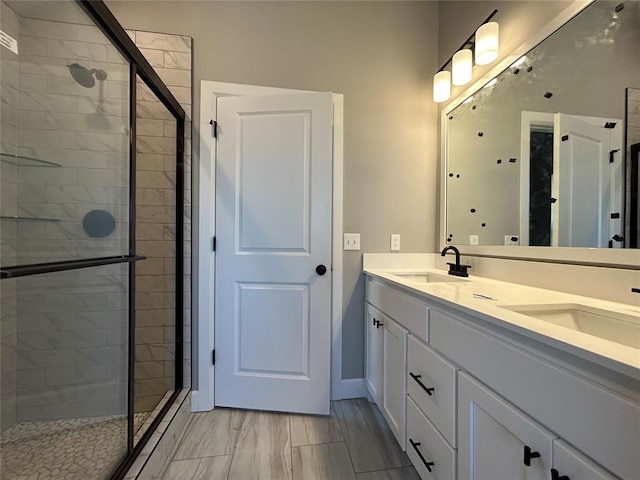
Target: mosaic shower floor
[[75, 449]]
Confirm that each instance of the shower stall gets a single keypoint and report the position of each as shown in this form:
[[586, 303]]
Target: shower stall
[[91, 243]]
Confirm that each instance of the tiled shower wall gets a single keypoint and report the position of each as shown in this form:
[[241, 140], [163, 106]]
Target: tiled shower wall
[[9, 67], [170, 56], [155, 239], [83, 129]]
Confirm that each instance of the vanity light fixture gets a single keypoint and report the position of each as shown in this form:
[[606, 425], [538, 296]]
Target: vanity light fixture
[[485, 42], [461, 66], [442, 86]]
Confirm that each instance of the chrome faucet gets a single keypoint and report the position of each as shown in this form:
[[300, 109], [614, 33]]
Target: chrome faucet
[[457, 268]]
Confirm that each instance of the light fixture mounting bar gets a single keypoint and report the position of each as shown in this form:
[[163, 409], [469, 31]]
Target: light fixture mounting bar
[[468, 41]]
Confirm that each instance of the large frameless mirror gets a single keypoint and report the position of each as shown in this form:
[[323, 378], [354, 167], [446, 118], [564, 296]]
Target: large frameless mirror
[[536, 157]]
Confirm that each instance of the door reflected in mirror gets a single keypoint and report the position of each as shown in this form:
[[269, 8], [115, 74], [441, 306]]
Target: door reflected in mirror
[[632, 232]]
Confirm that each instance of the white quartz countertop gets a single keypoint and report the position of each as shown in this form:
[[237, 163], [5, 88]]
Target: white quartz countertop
[[460, 296]]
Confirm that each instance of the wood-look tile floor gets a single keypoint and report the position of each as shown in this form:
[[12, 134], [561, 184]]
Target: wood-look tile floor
[[353, 443]]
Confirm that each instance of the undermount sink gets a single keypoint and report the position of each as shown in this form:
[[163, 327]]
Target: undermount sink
[[616, 327], [429, 277]]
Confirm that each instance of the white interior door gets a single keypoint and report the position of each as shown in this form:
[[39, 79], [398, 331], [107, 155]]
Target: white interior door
[[273, 229], [580, 184]]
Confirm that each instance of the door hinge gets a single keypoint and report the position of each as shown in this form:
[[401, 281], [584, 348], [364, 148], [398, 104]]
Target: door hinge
[[215, 128], [213, 357], [213, 243], [611, 154]]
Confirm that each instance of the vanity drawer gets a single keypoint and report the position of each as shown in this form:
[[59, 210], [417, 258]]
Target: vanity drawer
[[424, 438], [408, 312], [428, 368], [576, 409]]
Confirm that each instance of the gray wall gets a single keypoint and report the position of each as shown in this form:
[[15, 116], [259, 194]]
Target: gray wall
[[381, 56]]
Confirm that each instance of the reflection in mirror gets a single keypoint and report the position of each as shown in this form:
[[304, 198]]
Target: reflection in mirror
[[632, 231], [536, 157]]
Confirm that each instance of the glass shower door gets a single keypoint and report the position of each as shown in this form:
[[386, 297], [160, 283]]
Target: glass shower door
[[155, 232], [68, 418], [64, 231], [91, 182]]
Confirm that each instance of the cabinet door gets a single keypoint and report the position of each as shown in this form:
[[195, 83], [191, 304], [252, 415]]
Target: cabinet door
[[373, 352], [569, 464], [394, 389], [495, 440]]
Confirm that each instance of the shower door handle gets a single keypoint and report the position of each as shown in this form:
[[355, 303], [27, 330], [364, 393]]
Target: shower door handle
[[39, 268]]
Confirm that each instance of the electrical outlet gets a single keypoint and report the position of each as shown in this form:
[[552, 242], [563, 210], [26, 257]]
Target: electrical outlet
[[395, 242], [352, 241], [511, 240], [474, 240]]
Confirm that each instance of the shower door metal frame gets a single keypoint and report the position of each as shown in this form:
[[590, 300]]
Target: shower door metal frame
[[139, 67]]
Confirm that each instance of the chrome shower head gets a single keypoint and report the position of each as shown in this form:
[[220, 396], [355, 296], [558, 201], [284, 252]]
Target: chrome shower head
[[84, 76]]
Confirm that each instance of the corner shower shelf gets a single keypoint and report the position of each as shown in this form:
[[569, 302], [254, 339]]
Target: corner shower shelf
[[29, 219], [19, 161]]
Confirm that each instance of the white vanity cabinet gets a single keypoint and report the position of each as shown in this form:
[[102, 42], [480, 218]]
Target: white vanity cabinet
[[486, 403], [588, 412], [497, 441]]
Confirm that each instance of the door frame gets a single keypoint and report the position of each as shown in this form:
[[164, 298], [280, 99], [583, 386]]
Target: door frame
[[203, 398]]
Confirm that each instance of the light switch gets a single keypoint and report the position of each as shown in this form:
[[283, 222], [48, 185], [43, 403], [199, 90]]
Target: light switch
[[474, 240], [395, 242], [352, 241]]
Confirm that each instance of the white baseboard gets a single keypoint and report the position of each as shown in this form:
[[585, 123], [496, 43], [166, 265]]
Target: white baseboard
[[200, 403], [353, 388]]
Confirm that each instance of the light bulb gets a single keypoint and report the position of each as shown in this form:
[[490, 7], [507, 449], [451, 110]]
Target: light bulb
[[487, 43], [461, 67], [442, 86]]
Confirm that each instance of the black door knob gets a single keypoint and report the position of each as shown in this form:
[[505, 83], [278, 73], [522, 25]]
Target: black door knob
[[321, 269]]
